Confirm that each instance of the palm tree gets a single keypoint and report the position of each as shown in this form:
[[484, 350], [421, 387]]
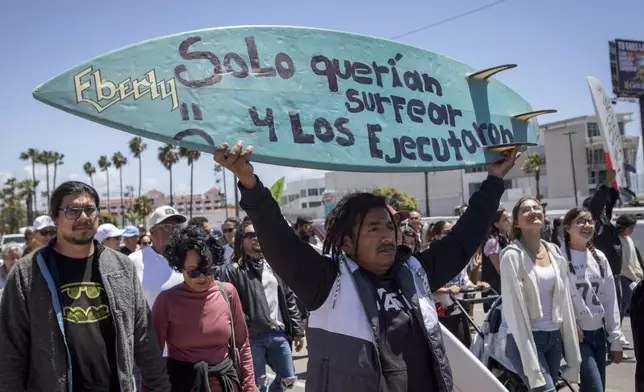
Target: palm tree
[[168, 157], [27, 191], [220, 169], [90, 170], [136, 148], [191, 156], [46, 158], [119, 161], [57, 160], [532, 165], [32, 154], [104, 164]]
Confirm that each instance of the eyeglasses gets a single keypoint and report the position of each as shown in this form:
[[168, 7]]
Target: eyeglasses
[[250, 235], [229, 230], [201, 271], [74, 213], [526, 209], [584, 221]]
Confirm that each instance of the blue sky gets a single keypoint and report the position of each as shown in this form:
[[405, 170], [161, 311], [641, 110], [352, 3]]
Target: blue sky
[[555, 43]]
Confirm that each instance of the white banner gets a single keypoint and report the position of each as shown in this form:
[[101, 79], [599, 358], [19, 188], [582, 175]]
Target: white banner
[[609, 129]]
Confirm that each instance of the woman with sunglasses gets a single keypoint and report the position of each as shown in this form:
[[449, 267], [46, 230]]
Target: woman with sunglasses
[[594, 299], [201, 320], [536, 301]]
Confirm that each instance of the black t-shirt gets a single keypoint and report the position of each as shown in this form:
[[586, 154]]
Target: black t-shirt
[[404, 352], [89, 327], [125, 250]]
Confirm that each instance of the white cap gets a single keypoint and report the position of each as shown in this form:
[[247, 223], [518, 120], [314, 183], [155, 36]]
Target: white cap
[[162, 213], [107, 230], [43, 222]]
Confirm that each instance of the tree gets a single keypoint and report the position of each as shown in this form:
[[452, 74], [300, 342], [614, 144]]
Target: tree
[[168, 157], [140, 209], [46, 158], [136, 148], [32, 154], [108, 218], [220, 169], [27, 192], [532, 165], [119, 161], [399, 200], [12, 211], [191, 156], [57, 160], [90, 170], [104, 165]]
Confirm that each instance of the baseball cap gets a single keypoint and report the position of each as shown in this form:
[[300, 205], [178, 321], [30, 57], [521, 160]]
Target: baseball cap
[[402, 215], [131, 231], [162, 213], [107, 230], [43, 222]]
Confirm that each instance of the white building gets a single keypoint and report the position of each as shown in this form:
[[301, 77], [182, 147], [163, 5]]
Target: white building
[[303, 197]]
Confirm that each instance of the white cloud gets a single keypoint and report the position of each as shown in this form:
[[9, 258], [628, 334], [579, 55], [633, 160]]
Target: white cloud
[[4, 176], [77, 177]]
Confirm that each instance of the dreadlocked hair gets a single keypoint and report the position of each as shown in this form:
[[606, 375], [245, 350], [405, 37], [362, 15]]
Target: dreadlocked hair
[[567, 222], [349, 212], [238, 249]]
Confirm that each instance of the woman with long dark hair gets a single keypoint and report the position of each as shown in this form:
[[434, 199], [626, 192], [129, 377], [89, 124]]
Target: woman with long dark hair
[[594, 299], [536, 301], [201, 320], [495, 243], [557, 232]]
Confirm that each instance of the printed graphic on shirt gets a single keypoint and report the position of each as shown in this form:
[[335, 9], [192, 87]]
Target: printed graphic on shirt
[[588, 284], [392, 301], [83, 303]]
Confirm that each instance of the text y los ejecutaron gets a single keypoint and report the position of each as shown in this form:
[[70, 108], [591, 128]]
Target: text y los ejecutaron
[[424, 148]]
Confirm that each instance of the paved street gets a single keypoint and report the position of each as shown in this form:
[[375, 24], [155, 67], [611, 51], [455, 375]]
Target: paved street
[[620, 377]]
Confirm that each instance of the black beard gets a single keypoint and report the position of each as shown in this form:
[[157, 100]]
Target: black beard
[[79, 241]]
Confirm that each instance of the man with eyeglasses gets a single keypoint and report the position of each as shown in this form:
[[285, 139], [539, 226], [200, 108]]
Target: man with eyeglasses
[[272, 315], [73, 316]]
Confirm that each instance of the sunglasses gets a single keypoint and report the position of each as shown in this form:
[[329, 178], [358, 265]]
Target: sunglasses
[[201, 271], [229, 230], [75, 290], [146, 243], [250, 235], [74, 213], [47, 232]]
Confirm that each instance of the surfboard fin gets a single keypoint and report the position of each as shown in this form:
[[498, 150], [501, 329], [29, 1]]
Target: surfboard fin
[[529, 115], [488, 73]]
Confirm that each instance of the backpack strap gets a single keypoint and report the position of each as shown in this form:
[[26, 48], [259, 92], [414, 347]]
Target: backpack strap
[[232, 346]]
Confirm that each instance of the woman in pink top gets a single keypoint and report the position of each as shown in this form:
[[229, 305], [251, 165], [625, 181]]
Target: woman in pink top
[[194, 320]]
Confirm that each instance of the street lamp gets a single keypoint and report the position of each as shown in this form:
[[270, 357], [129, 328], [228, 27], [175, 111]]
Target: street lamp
[[572, 166]]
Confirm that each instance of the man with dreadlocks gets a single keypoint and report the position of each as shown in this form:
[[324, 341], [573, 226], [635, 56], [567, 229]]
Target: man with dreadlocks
[[373, 325]]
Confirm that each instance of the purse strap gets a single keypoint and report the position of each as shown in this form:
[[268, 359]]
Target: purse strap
[[232, 346]]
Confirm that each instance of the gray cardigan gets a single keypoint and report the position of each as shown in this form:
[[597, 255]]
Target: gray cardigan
[[33, 350]]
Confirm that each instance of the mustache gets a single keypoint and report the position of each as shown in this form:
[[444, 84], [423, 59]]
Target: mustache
[[386, 248]]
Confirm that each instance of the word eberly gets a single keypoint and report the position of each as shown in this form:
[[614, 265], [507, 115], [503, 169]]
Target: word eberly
[[111, 92]]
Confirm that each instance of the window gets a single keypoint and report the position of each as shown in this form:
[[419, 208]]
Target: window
[[284, 200], [302, 192], [293, 198], [322, 190], [314, 204], [303, 205], [621, 128], [593, 129], [475, 169], [313, 191]]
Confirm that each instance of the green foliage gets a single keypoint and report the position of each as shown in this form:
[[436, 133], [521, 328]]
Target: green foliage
[[13, 213], [277, 189], [399, 200], [139, 210], [105, 218]]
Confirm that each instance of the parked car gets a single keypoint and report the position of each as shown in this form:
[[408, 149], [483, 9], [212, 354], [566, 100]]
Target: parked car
[[9, 238]]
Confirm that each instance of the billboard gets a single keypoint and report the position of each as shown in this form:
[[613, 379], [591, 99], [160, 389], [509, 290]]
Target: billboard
[[627, 67]]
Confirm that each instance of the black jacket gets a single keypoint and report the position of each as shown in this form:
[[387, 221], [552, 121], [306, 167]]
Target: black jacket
[[606, 238], [248, 282], [312, 277]]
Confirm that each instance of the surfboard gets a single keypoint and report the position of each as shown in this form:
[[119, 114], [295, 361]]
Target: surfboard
[[302, 97]]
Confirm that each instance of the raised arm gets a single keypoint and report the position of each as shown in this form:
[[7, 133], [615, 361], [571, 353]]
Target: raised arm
[[602, 198], [309, 274]]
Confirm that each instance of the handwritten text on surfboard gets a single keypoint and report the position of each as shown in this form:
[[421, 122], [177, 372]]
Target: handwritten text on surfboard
[[331, 72]]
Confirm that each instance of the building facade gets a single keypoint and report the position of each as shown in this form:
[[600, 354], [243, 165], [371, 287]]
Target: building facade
[[303, 197]]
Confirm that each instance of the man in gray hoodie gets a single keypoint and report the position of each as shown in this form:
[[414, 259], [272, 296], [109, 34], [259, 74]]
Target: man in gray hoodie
[[72, 314]]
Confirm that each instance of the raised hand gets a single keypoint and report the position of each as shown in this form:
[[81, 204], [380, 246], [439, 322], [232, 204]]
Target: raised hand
[[236, 160], [502, 167]]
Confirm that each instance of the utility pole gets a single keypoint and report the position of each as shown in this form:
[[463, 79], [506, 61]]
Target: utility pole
[[426, 193], [572, 166], [236, 197]]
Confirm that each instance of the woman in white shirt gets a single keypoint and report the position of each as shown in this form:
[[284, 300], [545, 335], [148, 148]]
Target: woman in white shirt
[[594, 299], [536, 301]]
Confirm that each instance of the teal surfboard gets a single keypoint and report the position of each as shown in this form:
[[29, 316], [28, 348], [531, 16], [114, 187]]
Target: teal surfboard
[[303, 97]]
